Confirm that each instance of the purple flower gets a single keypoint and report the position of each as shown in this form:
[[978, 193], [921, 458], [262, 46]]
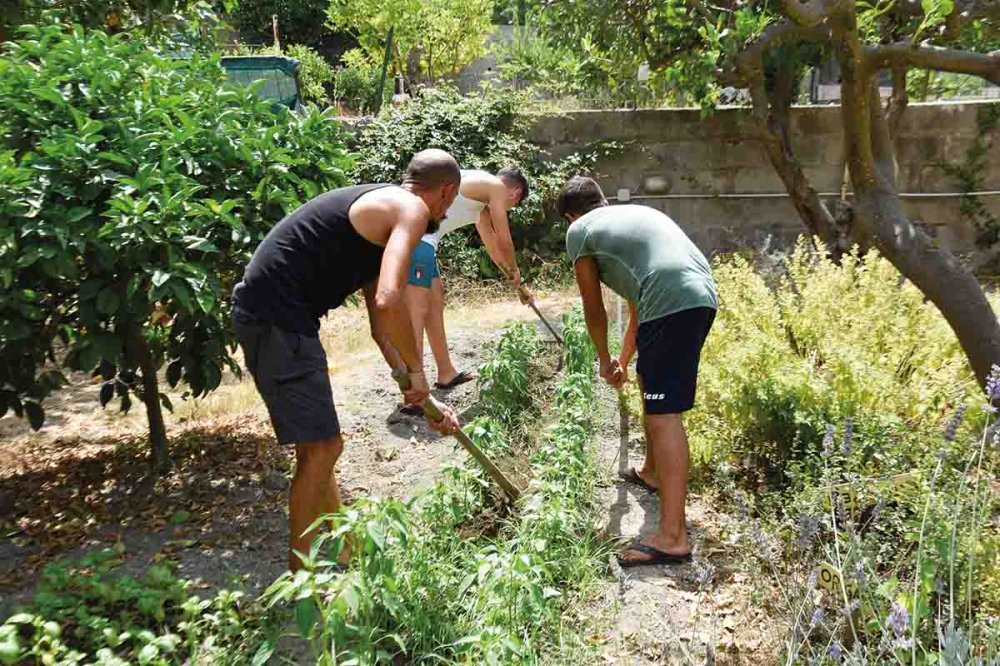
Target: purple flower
[[836, 652], [993, 383], [817, 617], [828, 440], [860, 575], [807, 528], [951, 429], [854, 605], [899, 620], [848, 441]]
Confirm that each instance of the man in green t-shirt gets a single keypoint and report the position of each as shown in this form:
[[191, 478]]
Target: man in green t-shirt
[[644, 257]]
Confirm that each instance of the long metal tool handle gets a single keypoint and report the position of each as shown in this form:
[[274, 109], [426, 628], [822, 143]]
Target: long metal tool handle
[[431, 410], [547, 324]]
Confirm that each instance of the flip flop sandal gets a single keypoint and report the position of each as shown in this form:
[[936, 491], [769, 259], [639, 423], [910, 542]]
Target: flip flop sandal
[[632, 476], [411, 410], [462, 377], [656, 556]]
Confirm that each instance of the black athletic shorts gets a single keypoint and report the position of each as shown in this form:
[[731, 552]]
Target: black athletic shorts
[[291, 375], [669, 350]]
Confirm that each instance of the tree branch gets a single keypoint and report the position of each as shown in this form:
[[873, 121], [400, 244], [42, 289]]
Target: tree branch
[[898, 102], [904, 54], [810, 13], [777, 34]]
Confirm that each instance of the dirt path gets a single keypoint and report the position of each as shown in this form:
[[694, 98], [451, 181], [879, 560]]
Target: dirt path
[[699, 613], [80, 482]]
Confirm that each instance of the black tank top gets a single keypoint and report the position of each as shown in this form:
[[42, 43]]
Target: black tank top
[[309, 263]]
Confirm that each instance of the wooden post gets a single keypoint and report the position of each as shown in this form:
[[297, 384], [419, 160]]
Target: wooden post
[[274, 31]]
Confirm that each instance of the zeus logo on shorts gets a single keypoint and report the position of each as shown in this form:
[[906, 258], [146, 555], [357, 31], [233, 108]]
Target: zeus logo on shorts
[[654, 396]]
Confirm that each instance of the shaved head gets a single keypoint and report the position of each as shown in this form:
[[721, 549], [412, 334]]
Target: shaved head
[[432, 168]]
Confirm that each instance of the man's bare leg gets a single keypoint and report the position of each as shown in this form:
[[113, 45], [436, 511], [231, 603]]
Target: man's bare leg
[[436, 336], [667, 441], [313, 493], [418, 302], [648, 472]]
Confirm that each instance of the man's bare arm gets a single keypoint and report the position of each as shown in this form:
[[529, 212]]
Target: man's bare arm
[[593, 305], [392, 357], [629, 339], [389, 306], [494, 228]]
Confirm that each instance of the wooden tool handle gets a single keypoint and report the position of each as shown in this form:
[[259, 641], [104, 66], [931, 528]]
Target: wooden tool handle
[[431, 410]]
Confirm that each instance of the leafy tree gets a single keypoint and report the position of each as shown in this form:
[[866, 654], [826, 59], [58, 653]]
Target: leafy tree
[[147, 16], [132, 190], [431, 38], [764, 46], [299, 21]]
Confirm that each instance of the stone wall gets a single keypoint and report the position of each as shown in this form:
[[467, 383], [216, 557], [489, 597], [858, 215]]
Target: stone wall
[[722, 189]]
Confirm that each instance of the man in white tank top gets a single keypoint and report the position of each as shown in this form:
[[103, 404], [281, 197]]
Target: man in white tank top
[[483, 200]]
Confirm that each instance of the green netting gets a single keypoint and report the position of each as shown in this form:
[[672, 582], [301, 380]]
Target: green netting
[[277, 72]]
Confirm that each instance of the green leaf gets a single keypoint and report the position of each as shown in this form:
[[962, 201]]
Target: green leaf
[[160, 278], [305, 616], [77, 213], [263, 654], [108, 301]]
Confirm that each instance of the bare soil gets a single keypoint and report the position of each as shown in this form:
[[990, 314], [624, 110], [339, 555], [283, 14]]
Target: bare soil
[[81, 482]]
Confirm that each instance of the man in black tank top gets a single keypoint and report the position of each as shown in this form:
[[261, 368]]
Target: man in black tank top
[[353, 238]]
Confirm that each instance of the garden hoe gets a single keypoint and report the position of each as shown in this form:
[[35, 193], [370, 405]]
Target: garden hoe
[[546, 322], [430, 410]]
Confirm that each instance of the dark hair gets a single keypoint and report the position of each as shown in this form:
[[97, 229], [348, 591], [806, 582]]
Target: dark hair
[[432, 168], [579, 196], [513, 175]]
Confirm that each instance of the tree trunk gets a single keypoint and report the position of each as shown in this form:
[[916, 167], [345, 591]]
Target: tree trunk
[[936, 272], [143, 357], [879, 218]]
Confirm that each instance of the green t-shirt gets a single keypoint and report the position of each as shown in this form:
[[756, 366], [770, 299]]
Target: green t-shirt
[[644, 257]]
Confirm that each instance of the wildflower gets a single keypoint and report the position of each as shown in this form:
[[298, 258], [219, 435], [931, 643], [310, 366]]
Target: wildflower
[[951, 429], [860, 575], [841, 509], [993, 384], [836, 652], [807, 528], [899, 621], [811, 582], [817, 617], [939, 586], [828, 441], [848, 441], [854, 605]]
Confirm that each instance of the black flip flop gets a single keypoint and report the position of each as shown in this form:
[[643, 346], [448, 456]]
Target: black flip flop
[[632, 476], [462, 377], [411, 410], [657, 556]]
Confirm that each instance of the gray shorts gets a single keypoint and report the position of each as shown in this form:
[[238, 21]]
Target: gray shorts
[[291, 375]]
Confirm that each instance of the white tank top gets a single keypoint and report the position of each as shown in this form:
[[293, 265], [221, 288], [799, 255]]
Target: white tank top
[[462, 213]]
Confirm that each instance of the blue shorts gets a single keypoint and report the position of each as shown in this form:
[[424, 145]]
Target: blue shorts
[[423, 265]]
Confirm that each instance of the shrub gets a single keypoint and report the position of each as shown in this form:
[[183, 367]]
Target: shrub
[[822, 343], [356, 84], [133, 189], [299, 21]]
